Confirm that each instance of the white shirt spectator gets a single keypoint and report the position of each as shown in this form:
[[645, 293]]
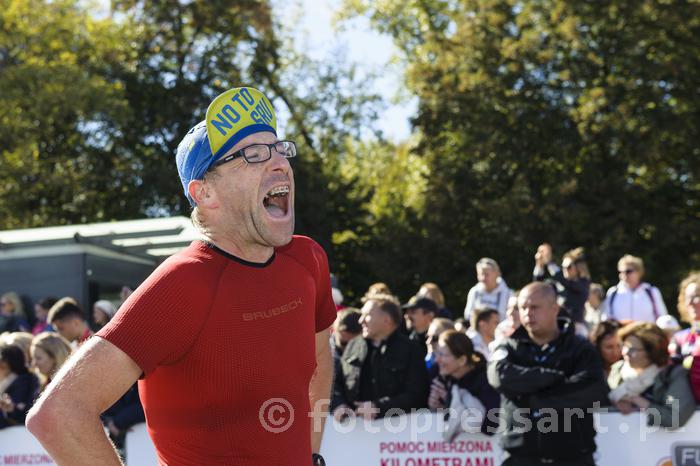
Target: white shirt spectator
[[479, 298], [479, 343], [644, 303]]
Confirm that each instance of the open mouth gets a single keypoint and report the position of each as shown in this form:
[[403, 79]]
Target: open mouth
[[276, 201]]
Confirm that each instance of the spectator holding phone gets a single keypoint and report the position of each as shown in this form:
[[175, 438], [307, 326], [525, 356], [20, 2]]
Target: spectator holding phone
[[18, 386], [572, 279]]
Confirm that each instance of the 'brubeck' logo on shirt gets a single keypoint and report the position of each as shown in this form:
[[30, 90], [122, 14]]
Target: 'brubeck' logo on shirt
[[275, 311]]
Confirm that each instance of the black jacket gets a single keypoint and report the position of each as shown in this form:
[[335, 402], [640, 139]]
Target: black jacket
[[23, 391], [538, 384], [127, 411], [398, 375], [419, 339], [574, 292]]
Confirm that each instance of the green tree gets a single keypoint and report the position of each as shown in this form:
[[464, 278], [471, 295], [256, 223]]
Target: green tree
[[59, 113], [572, 122], [94, 106]]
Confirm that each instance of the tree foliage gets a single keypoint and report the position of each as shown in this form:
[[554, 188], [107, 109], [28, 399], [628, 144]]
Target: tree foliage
[[97, 103], [571, 122], [538, 120], [59, 111]]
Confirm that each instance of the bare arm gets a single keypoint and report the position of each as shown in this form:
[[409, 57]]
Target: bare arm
[[66, 418], [320, 388]]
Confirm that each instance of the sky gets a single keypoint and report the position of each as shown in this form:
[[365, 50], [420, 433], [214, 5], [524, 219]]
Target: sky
[[371, 51]]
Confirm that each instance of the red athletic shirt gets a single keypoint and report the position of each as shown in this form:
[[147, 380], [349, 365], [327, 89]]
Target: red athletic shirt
[[216, 337]]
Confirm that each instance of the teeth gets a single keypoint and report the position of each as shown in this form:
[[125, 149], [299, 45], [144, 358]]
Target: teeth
[[278, 191]]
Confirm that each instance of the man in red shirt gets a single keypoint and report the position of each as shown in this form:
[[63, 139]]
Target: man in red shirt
[[229, 337]]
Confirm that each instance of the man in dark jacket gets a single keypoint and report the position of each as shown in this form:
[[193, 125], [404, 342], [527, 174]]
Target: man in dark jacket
[[382, 373], [420, 313], [550, 379]]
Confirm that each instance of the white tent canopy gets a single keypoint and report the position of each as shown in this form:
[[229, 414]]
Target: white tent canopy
[[154, 237]]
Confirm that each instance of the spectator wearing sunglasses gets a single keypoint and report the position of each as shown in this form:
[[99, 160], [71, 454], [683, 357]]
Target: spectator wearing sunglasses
[[572, 280], [632, 299]]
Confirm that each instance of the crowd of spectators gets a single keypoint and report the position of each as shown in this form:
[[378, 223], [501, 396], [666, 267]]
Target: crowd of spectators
[[586, 347], [30, 357], [509, 349]]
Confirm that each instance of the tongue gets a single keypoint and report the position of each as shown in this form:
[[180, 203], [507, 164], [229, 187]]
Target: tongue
[[274, 210]]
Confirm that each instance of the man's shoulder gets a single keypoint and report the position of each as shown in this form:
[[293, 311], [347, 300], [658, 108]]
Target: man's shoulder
[[195, 268], [300, 245], [196, 256], [306, 252], [581, 344]]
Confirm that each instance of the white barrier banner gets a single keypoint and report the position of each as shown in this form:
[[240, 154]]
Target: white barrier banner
[[414, 440], [139, 447], [411, 440], [626, 439], [19, 448]]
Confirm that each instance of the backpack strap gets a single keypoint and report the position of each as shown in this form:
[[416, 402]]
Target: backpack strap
[[612, 300], [653, 301]]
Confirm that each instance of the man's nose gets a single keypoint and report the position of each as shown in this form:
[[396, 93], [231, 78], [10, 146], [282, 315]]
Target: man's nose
[[278, 162]]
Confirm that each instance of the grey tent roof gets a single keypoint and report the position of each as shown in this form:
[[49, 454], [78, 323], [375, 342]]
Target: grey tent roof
[[154, 237]]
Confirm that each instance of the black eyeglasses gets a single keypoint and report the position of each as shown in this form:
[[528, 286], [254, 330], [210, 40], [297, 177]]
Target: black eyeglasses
[[257, 153], [627, 271]]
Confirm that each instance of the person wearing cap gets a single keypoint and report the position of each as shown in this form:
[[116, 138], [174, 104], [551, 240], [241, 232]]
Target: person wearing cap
[[383, 373], [243, 364], [103, 311], [345, 328], [420, 313]]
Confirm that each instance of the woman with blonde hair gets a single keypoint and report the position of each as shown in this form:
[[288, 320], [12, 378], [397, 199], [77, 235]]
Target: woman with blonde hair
[[49, 352], [432, 291], [12, 317], [684, 342], [491, 291], [376, 289]]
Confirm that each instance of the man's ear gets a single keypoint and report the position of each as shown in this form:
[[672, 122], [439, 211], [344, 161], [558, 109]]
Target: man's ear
[[202, 193]]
